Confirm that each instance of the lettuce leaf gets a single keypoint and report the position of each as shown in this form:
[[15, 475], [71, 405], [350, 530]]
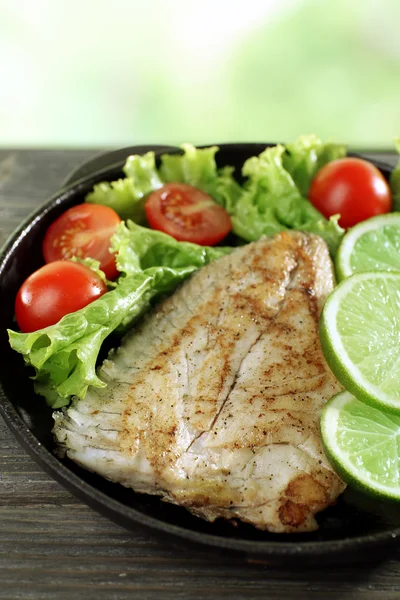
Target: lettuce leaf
[[139, 248], [64, 355], [195, 166], [198, 167], [271, 202], [127, 196], [395, 181], [307, 155], [94, 265]]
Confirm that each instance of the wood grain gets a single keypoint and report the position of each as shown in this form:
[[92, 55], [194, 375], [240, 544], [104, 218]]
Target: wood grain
[[53, 546]]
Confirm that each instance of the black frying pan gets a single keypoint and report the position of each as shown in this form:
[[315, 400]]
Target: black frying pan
[[356, 528]]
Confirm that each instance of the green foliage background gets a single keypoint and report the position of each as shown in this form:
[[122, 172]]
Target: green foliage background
[[119, 72]]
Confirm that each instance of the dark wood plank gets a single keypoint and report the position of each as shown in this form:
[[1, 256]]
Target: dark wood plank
[[53, 546]]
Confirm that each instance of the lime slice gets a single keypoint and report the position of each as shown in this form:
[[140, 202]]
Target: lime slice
[[360, 336], [363, 444], [373, 245]]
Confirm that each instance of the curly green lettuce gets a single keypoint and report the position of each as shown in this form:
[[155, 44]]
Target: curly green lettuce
[[127, 196], [306, 156], [139, 248], [271, 201]]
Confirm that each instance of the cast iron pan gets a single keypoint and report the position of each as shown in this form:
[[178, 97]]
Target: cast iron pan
[[355, 529]]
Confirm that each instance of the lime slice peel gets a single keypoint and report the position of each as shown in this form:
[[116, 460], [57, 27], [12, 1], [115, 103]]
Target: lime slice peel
[[363, 444], [360, 337], [372, 245]]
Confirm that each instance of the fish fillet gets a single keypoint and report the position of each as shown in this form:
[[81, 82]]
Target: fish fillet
[[213, 402]]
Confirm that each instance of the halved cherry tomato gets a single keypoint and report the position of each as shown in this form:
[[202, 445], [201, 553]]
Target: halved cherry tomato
[[351, 187], [84, 231], [53, 291], [187, 214]]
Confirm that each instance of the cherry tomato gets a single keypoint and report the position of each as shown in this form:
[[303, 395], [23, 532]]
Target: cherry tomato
[[51, 292], [187, 214], [85, 231], [351, 187]]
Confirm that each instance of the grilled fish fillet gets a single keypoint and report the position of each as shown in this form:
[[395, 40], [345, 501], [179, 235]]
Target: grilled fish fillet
[[213, 402]]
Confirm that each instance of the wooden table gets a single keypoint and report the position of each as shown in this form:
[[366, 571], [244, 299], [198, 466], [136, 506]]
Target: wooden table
[[52, 546]]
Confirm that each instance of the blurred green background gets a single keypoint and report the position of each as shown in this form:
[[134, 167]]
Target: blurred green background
[[119, 72]]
